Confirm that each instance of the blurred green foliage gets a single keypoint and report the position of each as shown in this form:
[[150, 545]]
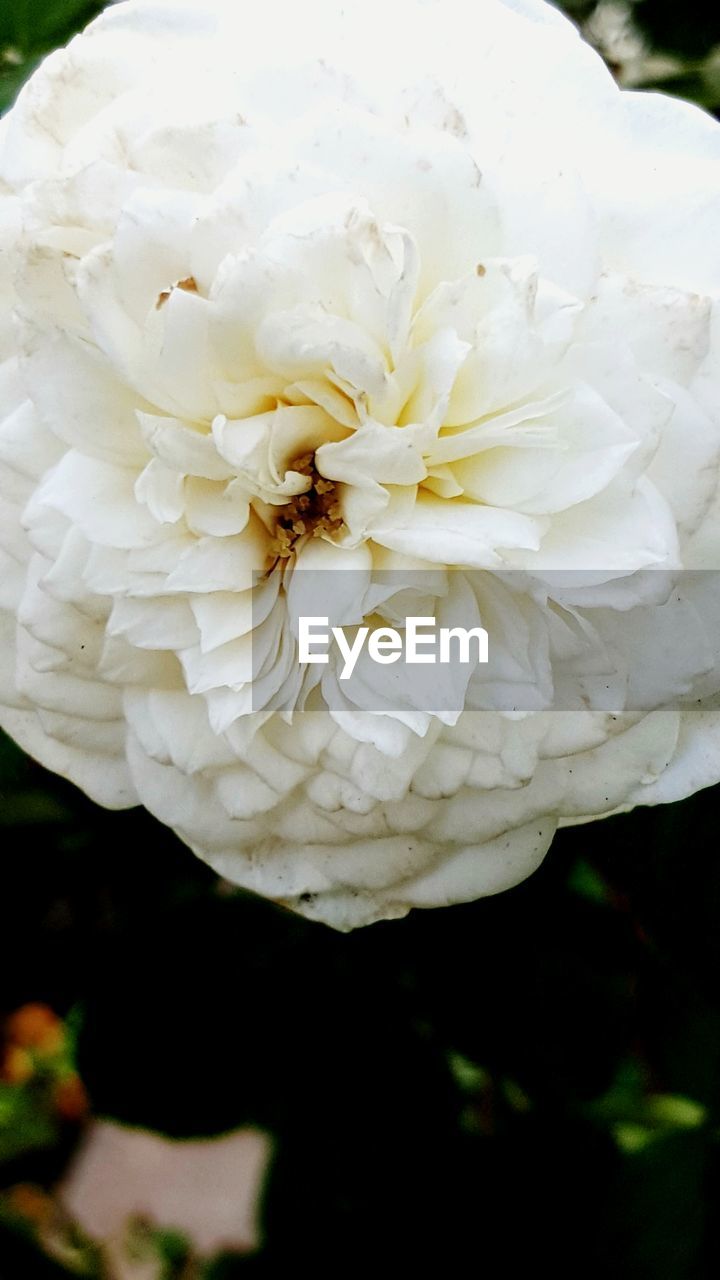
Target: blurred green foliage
[[533, 1077], [31, 28]]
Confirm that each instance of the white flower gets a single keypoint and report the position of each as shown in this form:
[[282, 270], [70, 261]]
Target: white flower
[[365, 287]]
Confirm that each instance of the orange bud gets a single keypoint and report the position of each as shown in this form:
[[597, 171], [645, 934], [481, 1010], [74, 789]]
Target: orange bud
[[17, 1065], [71, 1100], [31, 1202], [35, 1026]]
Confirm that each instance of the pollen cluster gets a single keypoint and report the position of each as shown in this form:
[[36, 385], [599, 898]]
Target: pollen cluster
[[310, 514]]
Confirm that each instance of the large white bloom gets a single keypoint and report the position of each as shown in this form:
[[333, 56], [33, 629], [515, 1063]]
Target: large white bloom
[[400, 285]]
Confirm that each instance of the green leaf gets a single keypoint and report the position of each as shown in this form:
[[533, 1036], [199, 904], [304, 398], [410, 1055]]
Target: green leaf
[[24, 1124], [660, 1216]]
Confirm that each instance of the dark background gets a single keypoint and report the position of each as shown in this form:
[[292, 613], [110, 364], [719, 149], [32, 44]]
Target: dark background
[[529, 1081]]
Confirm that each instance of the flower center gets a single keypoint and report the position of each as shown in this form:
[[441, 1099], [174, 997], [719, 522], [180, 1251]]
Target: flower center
[[309, 514]]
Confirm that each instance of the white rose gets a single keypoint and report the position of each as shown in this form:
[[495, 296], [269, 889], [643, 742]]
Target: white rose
[[409, 286]]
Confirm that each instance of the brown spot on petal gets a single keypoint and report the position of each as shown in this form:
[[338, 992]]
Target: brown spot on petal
[[480, 270], [188, 285], [454, 123]]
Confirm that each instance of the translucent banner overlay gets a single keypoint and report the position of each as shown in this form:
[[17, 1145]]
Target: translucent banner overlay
[[435, 641]]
